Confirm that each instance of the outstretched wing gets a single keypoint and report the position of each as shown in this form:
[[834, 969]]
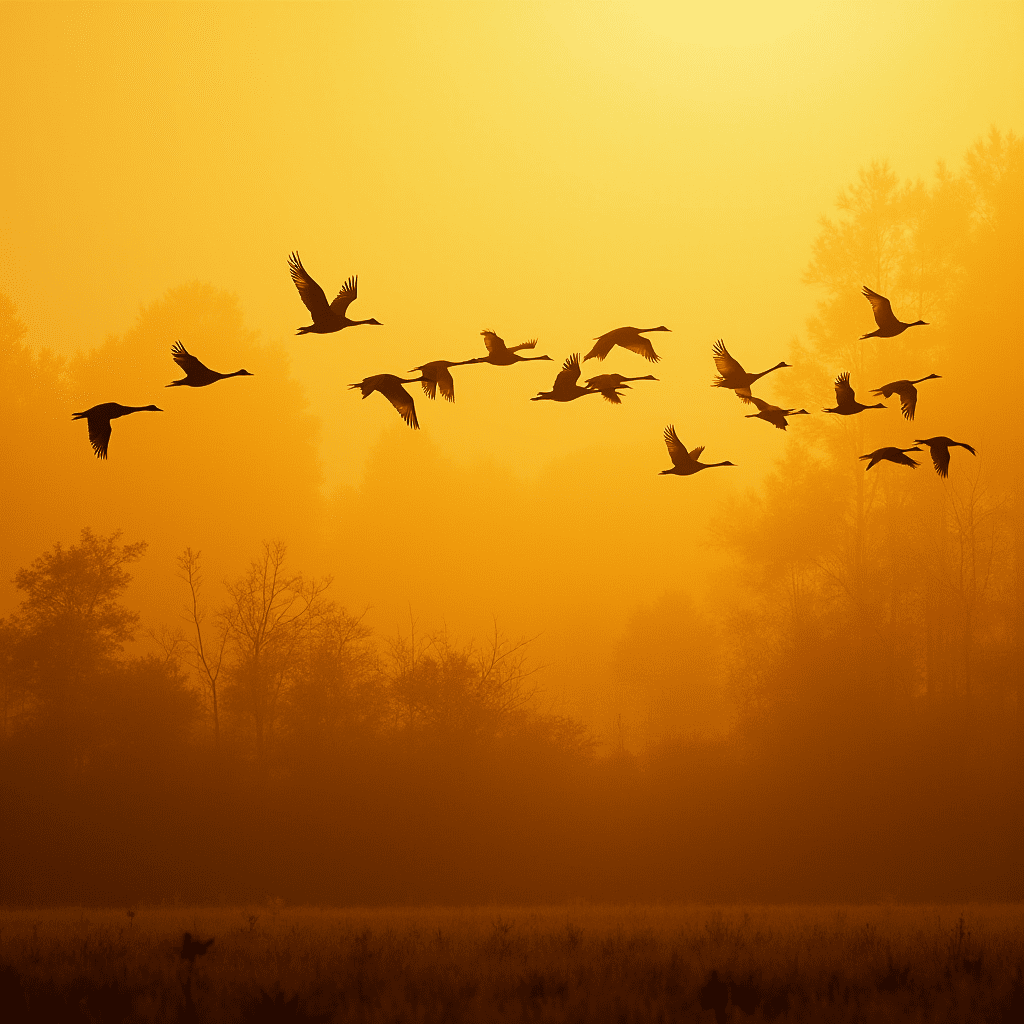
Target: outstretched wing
[[640, 345], [310, 292], [762, 405], [99, 435], [493, 342], [940, 459], [345, 297], [727, 366], [880, 307], [532, 343], [610, 395], [429, 387], [844, 393], [393, 391], [676, 450], [185, 360], [602, 348], [908, 400], [569, 374], [446, 383]]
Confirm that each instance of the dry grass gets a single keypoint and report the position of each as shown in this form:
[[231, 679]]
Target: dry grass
[[578, 963]]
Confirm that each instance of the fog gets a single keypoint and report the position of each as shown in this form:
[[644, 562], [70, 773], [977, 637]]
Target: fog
[[507, 639]]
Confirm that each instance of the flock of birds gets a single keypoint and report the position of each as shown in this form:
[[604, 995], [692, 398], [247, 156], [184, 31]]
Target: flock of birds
[[434, 376]]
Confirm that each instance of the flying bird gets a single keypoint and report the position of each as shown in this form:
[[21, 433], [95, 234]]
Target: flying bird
[[888, 325], [99, 417], [732, 375], [628, 338], [498, 354], [609, 384], [566, 388], [907, 392], [197, 375], [326, 318], [685, 463], [191, 948], [771, 413], [896, 455], [437, 376], [939, 449], [391, 388], [846, 401]]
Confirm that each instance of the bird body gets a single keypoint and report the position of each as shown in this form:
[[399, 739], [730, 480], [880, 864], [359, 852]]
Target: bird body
[[99, 417], [630, 338], [326, 318], [731, 373], [191, 948], [888, 325], [391, 388], [846, 400], [939, 447], [196, 374], [896, 455], [437, 375], [684, 463], [609, 384], [499, 354], [566, 386], [907, 392], [771, 413]]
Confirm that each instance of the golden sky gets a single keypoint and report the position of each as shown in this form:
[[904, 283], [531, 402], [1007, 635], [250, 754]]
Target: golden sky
[[549, 170]]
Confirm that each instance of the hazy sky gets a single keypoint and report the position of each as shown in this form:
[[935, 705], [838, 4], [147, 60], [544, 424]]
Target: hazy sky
[[542, 169]]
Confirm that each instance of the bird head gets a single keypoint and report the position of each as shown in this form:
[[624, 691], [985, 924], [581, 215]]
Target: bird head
[[151, 408], [543, 357], [659, 329], [727, 463], [779, 366], [244, 373], [914, 449], [933, 376], [798, 412], [375, 323]]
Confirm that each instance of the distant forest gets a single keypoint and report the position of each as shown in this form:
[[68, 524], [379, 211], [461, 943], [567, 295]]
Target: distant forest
[[869, 648]]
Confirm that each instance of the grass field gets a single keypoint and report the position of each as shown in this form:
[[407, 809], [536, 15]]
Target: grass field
[[578, 963]]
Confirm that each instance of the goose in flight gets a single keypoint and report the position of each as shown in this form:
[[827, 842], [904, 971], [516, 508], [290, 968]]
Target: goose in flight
[[326, 318], [939, 449], [732, 375], [888, 325], [437, 375], [609, 384], [685, 463], [99, 417], [498, 354], [846, 401], [391, 388], [907, 392], [628, 338], [771, 413], [896, 455], [566, 386], [197, 375]]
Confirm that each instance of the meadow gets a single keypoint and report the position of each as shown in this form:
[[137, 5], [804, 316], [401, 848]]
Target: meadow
[[573, 963]]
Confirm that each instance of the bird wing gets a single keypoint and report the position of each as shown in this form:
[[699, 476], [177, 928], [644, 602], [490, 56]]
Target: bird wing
[[640, 345], [569, 374], [844, 393], [99, 435], [895, 455], [602, 348], [908, 399], [676, 450], [610, 395], [532, 343], [185, 360], [940, 458], [310, 292], [727, 366], [429, 387], [345, 297], [601, 381], [493, 342], [446, 383], [880, 307], [393, 391], [762, 405]]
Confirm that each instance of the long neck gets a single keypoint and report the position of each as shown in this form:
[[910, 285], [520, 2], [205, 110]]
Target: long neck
[[769, 370], [648, 377], [356, 323], [530, 359], [237, 373]]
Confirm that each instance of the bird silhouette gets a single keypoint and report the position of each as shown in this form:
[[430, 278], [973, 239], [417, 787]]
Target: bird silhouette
[[437, 376], [891, 455], [846, 400], [939, 449], [99, 417], [888, 325], [197, 375], [191, 948], [907, 392], [685, 463], [732, 375], [609, 384], [498, 354], [391, 388], [566, 388], [628, 338], [326, 318], [771, 413]]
